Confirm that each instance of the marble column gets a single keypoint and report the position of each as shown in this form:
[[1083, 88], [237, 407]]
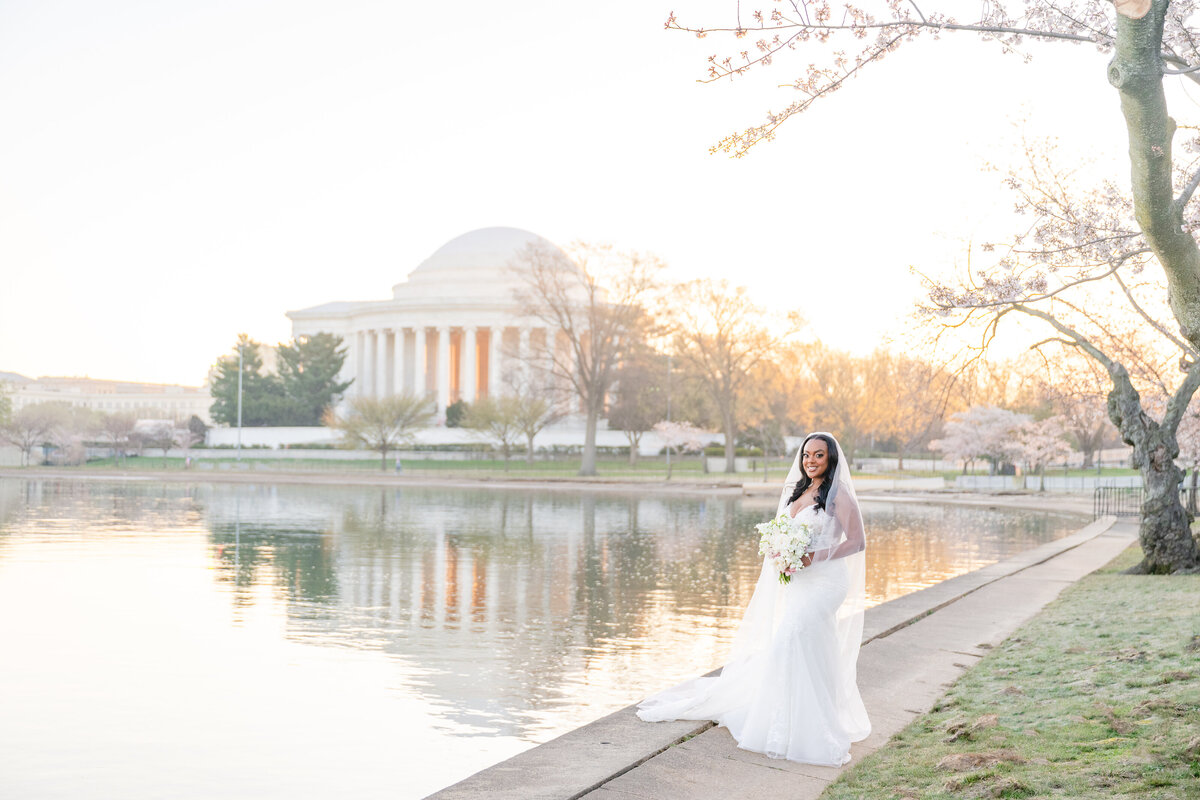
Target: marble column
[[443, 370], [495, 336], [381, 362], [420, 362], [398, 363], [360, 348], [469, 368], [369, 366]]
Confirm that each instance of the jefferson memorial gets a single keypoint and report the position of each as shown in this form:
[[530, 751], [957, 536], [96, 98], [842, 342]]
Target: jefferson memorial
[[453, 330]]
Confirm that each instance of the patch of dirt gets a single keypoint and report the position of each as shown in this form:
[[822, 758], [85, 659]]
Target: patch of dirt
[[960, 729], [960, 762], [1118, 725], [1192, 750]]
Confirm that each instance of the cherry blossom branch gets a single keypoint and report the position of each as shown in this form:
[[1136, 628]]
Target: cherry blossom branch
[[1158, 326], [909, 24], [1048, 295]]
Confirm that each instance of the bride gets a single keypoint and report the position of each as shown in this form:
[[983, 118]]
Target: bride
[[790, 689]]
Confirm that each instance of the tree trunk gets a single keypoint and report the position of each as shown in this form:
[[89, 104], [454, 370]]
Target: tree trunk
[[1165, 533], [383, 451], [900, 461], [588, 466], [670, 464], [1136, 72], [529, 449], [730, 442], [635, 439], [1191, 504], [1042, 477]]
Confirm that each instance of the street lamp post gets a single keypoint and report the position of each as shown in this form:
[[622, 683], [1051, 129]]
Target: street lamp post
[[239, 438], [668, 409]]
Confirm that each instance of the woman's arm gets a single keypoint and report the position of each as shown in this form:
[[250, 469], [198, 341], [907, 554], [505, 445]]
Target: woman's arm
[[850, 519]]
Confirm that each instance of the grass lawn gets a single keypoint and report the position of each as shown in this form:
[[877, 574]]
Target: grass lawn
[[1096, 697], [685, 468]]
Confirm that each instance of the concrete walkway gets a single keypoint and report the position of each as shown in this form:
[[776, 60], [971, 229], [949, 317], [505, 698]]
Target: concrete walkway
[[914, 647]]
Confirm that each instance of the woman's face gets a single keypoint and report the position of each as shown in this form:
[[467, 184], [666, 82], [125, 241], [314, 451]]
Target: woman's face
[[814, 459]]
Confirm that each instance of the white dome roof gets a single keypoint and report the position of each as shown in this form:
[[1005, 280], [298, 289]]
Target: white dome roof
[[476, 264]]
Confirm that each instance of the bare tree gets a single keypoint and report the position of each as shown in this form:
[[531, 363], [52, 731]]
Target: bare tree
[[595, 298], [116, 428], [842, 396], [160, 433], [497, 419], [381, 423], [537, 405], [1076, 390], [721, 336], [31, 426], [774, 398], [919, 395], [641, 398]]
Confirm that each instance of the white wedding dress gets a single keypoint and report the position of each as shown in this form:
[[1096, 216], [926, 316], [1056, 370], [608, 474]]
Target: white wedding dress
[[790, 689]]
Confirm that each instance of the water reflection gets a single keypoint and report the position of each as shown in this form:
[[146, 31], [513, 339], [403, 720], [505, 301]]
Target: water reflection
[[503, 616], [511, 602]]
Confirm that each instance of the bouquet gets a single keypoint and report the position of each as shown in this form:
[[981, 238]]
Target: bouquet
[[784, 540]]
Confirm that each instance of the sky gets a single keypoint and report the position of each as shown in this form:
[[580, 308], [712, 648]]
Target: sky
[[173, 173]]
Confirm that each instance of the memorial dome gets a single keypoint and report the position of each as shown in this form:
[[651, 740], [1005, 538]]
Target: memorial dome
[[482, 262]]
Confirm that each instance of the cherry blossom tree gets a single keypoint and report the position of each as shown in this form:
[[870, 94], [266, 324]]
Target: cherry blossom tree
[[678, 437], [1075, 241], [1041, 443], [1080, 269], [985, 432]]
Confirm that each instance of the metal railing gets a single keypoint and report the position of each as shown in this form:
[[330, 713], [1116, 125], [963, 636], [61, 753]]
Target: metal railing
[[1126, 501]]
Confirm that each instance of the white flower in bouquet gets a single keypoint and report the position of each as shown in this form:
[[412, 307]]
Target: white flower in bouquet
[[784, 540]]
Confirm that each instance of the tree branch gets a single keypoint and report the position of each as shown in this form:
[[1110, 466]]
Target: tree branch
[[1158, 326], [1186, 195], [1182, 397], [1081, 341]]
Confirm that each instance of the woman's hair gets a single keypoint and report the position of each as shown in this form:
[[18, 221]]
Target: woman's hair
[[826, 480]]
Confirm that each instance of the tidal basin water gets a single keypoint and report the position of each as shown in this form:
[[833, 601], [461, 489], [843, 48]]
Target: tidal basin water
[[174, 641]]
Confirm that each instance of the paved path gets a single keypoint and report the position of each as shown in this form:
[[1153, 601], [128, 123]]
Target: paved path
[[914, 648]]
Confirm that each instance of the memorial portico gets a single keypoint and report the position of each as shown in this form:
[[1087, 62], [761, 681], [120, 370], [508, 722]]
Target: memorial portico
[[453, 330]]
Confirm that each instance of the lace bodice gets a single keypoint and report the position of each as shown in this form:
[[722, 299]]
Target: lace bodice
[[823, 533]]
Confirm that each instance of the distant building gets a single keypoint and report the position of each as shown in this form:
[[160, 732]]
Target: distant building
[[146, 400], [454, 329]]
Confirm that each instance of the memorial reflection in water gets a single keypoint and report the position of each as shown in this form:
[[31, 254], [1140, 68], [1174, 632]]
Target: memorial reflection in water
[[507, 615]]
